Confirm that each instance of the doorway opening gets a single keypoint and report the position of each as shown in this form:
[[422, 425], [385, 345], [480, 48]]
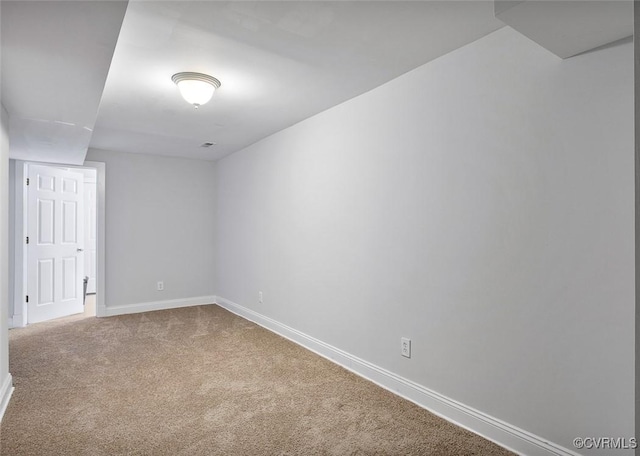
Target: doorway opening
[[59, 259]]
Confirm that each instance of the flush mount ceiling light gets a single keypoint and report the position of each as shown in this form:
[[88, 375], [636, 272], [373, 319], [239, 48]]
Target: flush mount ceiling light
[[196, 88]]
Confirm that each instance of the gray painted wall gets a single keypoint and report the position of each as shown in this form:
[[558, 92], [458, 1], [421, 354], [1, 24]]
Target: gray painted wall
[[636, 54], [482, 205], [160, 215], [4, 247]]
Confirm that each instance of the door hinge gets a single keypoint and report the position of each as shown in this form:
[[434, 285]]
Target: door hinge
[[27, 239], [27, 181], [27, 298]]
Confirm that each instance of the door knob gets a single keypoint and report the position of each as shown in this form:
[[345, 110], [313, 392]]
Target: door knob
[[79, 250]]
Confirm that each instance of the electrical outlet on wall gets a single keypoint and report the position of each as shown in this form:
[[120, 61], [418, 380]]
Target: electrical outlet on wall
[[160, 286], [405, 347], [260, 297]]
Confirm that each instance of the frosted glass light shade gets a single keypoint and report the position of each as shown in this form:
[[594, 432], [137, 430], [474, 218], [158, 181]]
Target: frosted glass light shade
[[196, 88]]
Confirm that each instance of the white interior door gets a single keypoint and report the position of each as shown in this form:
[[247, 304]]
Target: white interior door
[[55, 262], [90, 243]]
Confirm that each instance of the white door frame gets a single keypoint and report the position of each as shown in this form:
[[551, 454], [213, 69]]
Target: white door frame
[[19, 317], [90, 217]]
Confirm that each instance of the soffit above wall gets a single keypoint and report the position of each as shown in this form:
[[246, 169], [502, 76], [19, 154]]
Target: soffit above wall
[[55, 60], [569, 27]]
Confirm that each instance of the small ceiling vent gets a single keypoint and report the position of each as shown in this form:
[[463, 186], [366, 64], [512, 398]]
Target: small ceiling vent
[[208, 144]]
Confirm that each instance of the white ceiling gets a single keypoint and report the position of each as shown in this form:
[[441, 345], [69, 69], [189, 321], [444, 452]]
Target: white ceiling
[[279, 63]]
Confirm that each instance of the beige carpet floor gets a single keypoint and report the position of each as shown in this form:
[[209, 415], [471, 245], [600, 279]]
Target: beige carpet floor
[[202, 381]]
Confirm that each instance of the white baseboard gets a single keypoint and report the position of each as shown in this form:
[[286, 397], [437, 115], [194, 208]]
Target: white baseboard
[[502, 433], [111, 311], [16, 321], [5, 394]]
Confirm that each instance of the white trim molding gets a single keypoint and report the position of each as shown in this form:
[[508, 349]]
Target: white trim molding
[[5, 394], [16, 322], [493, 429], [101, 187], [111, 311]]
